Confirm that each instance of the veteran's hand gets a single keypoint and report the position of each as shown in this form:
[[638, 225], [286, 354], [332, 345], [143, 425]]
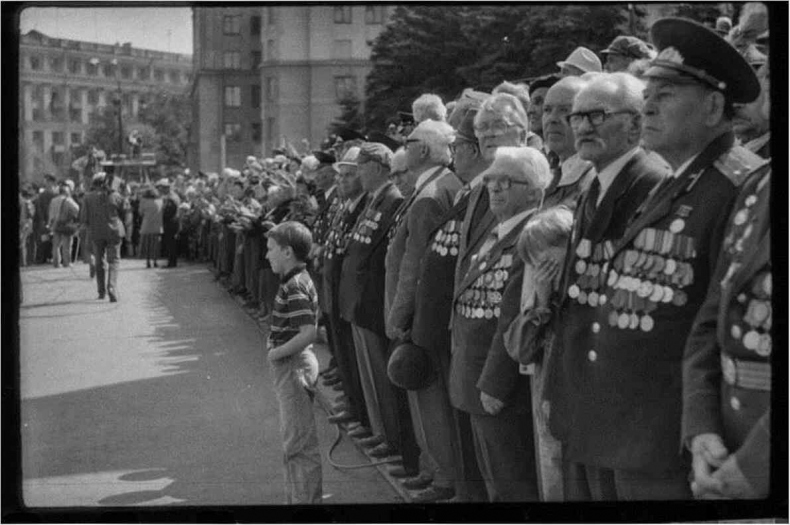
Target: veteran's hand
[[708, 453], [491, 404]]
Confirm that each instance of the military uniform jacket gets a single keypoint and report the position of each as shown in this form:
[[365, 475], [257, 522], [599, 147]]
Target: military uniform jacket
[[430, 203], [484, 304], [727, 363], [433, 298], [628, 312], [335, 249], [361, 290]]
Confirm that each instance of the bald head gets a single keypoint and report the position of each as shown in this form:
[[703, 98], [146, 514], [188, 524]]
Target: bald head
[[558, 103]]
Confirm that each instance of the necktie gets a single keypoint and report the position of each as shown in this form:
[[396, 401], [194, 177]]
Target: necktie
[[592, 202], [463, 192]]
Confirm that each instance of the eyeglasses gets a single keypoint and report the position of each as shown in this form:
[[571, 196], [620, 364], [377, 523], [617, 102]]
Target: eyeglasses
[[596, 116], [397, 174], [496, 127], [502, 183]]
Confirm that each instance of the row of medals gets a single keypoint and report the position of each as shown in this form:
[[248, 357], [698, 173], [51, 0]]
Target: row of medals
[[336, 240], [758, 317], [482, 299], [447, 239], [642, 278], [368, 225]]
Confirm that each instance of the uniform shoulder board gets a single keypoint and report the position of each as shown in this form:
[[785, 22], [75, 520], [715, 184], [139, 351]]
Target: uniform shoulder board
[[738, 163]]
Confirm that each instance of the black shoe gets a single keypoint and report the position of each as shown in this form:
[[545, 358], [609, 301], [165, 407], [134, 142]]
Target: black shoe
[[148, 264], [101, 296], [420, 481], [433, 494], [92, 271], [113, 297], [156, 265]]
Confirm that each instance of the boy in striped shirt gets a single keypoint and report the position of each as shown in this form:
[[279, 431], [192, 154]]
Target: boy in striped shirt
[[294, 366]]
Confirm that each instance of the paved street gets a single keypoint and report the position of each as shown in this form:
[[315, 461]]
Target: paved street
[[162, 398]]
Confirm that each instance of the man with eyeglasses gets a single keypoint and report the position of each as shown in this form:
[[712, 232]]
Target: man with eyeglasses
[[484, 382], [606, 123], [427, 157], [626, 372], [399, 172], [450, 431]]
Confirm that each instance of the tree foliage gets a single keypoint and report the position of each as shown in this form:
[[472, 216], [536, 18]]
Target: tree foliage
[[436, 49], [350, 115]]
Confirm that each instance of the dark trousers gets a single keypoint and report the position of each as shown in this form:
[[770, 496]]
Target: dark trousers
[[111, 252], [341, 341], [469, 484], [590, 483], [505, 452], [170, 244]]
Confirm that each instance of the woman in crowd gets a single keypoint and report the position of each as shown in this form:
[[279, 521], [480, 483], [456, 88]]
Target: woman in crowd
[[150, 226]]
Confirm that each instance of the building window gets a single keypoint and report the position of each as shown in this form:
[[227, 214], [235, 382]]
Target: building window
[[126, 72], [270, 16], [56, 64], [374, 14], [128, 106], [257, 132], [93, 97], [76, 139], [271, 49], [57, 138], [270, 124], [75, 66], [271, 89], [231, 60], [255, 25], [233, 96], [345, 87], [256, 95], [144, 73], [38, 141], [232, 132], [231, 25], [255, 60], [159, 75], [175, 77], [35, 62], [342, 14], [341, 49], [109, 70], [92, 69]]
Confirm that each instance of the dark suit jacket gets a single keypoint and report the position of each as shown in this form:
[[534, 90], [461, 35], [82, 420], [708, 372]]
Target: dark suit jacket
[[707, 397], [478, 221], [620, 388], [408, 245], [479, 360], [361, 289], [103, 213], [433, 297]]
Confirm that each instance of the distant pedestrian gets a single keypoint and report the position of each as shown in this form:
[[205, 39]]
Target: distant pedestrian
[[150, 226], [63, 223], [169, 222], [294, 366]]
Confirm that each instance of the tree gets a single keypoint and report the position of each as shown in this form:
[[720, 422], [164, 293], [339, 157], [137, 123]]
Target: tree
[[350, 115], [704, 13], [440, 50]]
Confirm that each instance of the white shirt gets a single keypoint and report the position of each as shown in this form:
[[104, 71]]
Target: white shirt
[[607, 175], [351, 205], [683, 166], [505, 227]]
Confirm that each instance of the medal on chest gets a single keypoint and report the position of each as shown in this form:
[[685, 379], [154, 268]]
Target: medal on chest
[[753, 329], [447, 239], [482, 300]]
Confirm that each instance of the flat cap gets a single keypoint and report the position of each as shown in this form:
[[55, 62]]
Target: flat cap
[[690, 52], [374, 151], [410, 367], [584, 59], [463, 114], [629, 46]]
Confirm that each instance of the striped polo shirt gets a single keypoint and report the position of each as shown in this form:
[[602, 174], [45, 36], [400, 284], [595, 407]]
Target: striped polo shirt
[[295, 305]]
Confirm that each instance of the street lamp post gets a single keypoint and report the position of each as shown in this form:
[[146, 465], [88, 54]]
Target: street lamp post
[[118, 102]]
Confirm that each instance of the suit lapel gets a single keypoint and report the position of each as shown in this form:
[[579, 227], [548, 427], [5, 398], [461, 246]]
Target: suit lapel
[[384, 227], [622, 182]]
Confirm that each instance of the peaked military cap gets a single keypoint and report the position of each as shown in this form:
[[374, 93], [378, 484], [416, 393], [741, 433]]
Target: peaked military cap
[[690, 52], [405, 117], [350, 134]]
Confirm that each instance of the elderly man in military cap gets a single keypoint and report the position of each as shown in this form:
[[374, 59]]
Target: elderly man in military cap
[[623, 51], [623, 419], [361, 288], [484, 382]]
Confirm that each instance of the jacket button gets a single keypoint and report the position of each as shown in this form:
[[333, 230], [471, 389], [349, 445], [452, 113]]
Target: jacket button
[[596, 328], [602, 299], [592, 355], [735, 403]]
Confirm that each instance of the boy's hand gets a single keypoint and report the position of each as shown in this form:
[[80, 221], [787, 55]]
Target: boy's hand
[[272, 355]]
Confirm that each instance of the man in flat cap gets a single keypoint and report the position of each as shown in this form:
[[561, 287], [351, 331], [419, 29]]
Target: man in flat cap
[[623, 51], [623, 435], [581, 61]]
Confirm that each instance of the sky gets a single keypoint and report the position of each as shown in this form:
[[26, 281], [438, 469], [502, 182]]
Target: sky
[[157, 28]]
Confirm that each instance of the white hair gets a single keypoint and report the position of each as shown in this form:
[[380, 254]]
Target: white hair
[[428, 106], [523, 162], [310, 163], [505, 105], [437, 136], [520, 91], [398, 162], [626, 87]]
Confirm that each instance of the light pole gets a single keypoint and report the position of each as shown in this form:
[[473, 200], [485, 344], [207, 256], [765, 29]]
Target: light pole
[[117, 102]]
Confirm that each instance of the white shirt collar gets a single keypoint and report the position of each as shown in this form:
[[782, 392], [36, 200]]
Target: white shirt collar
[[572, 169], [351, 205], [683, 166], [327, 192], [503, 228], [477, 181], [607, 175], [755, 144]]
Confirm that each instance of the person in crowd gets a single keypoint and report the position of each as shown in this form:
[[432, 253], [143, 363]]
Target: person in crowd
[[752, 122], [753, 21], [170, 204], [361, 289], [427, 156], [27, 211], [723, 26], [449, 431], [727, 363], [579, 62], [151, 208], [399, 172], [294, 365], [41, 218], [521, 92], [570, 172], [103, 214], [529, 339], [428, 107], [341, 336], [484, 381], [620, 422], [63, 223], [537, 94], [623, 51]]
